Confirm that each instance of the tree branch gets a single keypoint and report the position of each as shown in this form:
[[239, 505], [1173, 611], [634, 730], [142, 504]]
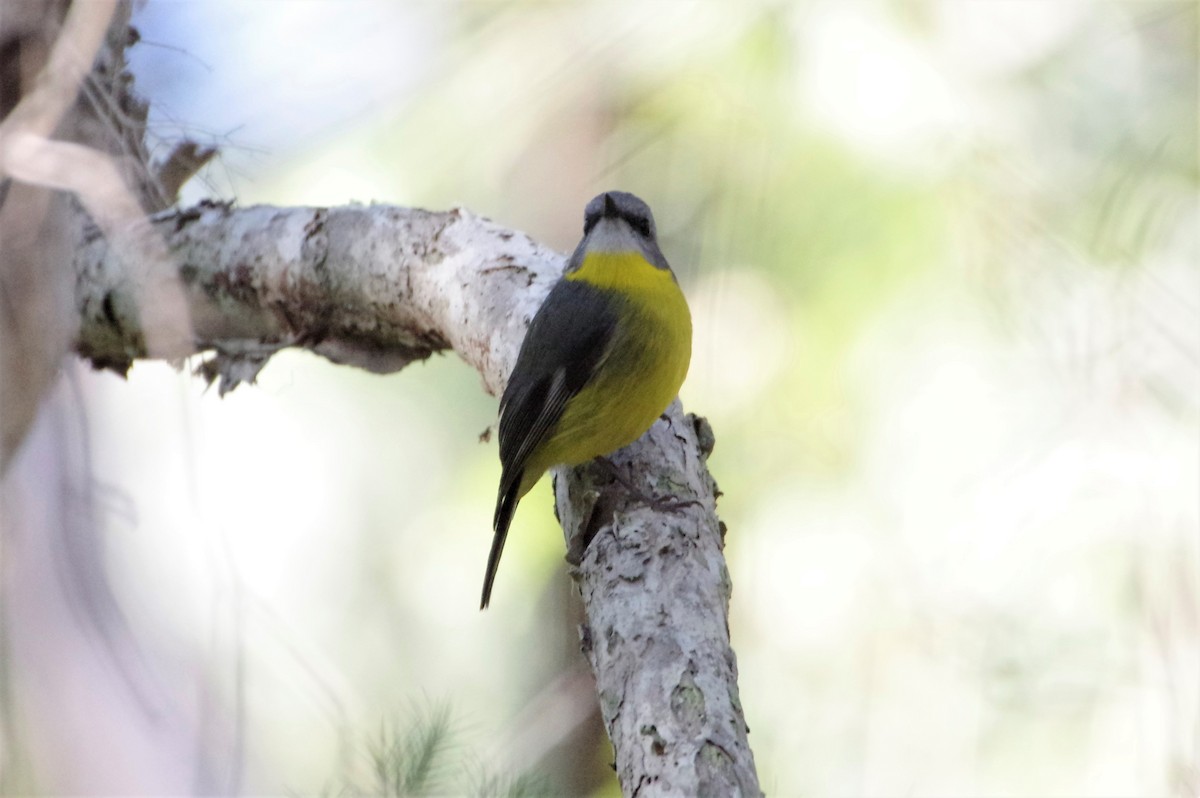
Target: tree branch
[[376, 287], [381, 286], [53, 91], [52, 141], [656, 591], [69, 655]]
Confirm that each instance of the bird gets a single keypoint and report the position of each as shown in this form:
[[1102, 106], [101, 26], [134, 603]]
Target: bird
[[604, 355]]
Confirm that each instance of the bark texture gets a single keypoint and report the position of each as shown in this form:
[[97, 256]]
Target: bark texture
[[379, 287], [93, 263], [371, 286], [656, 593]]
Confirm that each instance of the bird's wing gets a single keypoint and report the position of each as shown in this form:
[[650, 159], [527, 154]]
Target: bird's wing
[[567, 341]]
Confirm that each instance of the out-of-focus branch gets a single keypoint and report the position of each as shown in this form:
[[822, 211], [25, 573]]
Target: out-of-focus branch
[[53, 92], [40, 86], [186, 159], [38, 225], [70, 159], [28, 154], [88, 706], [379, 287], [93, 177]]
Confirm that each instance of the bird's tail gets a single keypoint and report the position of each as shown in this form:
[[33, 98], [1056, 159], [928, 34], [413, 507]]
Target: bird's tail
[[506, 505]]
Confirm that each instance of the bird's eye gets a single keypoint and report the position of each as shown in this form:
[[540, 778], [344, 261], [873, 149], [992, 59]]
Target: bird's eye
[[642, 225]]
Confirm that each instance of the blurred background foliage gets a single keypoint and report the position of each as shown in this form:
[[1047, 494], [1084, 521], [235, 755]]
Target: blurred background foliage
[[942, 258]]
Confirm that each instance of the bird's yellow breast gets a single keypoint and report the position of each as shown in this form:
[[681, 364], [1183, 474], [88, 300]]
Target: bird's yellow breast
[[628, 273], [644, 369]]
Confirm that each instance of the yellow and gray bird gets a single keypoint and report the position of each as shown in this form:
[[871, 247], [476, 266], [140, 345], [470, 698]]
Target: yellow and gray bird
[[603, 357]]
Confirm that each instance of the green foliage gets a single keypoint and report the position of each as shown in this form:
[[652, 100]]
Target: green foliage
[[421, 754], [412, 760]]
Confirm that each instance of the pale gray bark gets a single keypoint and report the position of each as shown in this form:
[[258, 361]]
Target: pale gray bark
[[378, 287], [657, 591], [372, 286], [381, 286]]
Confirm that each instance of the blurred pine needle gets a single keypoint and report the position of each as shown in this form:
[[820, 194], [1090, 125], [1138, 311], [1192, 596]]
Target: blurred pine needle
[[420, 755]]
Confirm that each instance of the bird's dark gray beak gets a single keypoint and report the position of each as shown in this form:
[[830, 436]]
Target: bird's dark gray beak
[[610, 207]]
